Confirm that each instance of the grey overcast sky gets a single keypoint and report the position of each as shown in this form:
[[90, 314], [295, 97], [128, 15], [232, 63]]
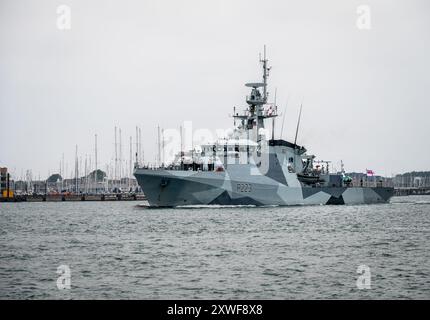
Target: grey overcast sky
[[128, 63]]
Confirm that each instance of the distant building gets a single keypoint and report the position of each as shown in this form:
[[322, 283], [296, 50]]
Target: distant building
[[6, 185], [54, 183], [414, 179], [21, 187], [3, 178]]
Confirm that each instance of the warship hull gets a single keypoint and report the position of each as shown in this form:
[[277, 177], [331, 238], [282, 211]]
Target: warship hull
[[170, 188]]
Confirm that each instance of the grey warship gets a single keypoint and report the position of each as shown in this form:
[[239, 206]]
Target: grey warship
[[250, 168]]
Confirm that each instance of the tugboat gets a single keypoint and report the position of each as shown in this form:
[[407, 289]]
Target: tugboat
[[250, 168]]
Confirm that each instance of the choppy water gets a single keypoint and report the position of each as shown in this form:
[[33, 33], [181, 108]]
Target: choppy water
[[121, 250]]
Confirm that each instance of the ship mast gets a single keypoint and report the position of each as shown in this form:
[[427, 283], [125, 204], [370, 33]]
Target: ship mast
[[265, 74], [260, 106], [254, 118]]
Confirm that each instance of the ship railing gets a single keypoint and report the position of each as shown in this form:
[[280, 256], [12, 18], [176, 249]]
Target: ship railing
[[371, 183], [195, 166]]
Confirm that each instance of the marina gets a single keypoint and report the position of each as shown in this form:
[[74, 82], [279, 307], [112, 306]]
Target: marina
[[74, 197]]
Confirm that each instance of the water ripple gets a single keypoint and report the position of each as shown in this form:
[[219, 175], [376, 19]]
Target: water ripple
[[120, 250]]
